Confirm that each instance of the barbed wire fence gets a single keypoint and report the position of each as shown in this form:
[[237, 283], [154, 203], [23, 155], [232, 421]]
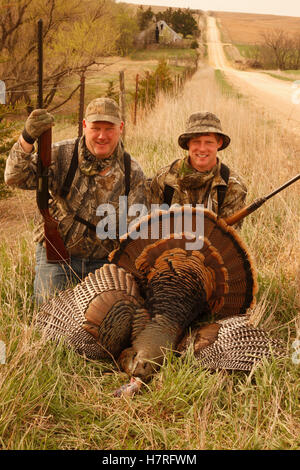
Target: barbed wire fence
[[148, 86], [134, 101]]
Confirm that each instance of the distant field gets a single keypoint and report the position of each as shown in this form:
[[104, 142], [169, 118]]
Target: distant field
[[246, 28], [167, 54]]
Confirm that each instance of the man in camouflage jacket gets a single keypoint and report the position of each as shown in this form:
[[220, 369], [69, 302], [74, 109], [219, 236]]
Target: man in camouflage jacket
[[99, 179], [197, 178]]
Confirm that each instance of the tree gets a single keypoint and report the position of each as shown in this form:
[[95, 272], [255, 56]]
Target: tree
[[183, 22], [165, 15], [76, 35], [295, 59], [144, 17], [160, 79], [127, 29], [280, 45]]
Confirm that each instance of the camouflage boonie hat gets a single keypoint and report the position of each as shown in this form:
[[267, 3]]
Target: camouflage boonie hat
[[202, 123], [103, 109]]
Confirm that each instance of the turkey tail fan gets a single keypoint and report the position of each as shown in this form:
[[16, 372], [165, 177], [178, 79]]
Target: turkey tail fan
[[153, 227], [95, 317], [231, 343], [224, 253], [242, 277]]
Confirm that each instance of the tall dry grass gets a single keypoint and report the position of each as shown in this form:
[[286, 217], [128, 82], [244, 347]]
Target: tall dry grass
[[261, 153], [50, 398]]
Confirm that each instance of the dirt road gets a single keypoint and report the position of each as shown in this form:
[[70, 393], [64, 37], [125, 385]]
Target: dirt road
[[270, 93]]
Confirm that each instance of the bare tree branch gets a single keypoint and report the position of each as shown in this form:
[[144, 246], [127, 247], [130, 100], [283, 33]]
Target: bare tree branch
[[66, 100], [280, 44], [67, 50]]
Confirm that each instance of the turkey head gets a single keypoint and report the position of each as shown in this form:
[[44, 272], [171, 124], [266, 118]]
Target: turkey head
[[179, 283]]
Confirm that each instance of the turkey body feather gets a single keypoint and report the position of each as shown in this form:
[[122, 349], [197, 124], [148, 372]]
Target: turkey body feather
[[154, 288], [232, 343]]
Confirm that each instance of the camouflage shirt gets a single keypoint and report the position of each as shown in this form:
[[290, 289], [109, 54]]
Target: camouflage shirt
[[194, 187], [91, 187]]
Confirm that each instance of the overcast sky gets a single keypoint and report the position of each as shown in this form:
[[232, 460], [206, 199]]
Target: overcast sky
[[272, 7]]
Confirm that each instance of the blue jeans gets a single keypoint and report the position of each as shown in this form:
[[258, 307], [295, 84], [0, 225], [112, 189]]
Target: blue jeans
[[51, 278]]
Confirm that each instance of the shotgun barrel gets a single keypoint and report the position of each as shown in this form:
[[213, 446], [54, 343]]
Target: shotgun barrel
[[44, 141], [55, 248], [239, 215]]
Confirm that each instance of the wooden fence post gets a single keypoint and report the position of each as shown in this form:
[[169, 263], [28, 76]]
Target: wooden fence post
[[81, 104], [147, 88], [122, 101], [136, 97]]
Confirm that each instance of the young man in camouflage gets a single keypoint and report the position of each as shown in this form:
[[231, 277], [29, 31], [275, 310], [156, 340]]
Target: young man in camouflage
[[98, 178], [200, 177]]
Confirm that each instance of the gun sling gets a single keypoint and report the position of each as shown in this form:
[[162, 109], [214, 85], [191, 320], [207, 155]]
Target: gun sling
[[221, 190], [71, 174]]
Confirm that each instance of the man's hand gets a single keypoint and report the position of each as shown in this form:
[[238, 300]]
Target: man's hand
[[37, 123]]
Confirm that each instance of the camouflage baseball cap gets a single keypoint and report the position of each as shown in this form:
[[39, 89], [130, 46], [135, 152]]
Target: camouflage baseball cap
[[103, 109], [202, 123]]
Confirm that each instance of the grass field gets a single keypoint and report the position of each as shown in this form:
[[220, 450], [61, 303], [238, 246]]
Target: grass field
[[225, 86], [287, 75], [243, 35], [246, 50], [246, 28], [51, 398]]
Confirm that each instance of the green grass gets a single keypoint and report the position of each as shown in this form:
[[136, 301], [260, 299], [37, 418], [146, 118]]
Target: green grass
[[247, 50], [283, 76], [292, 72], [51, 398], [281, 292], [225, 86], [279, 77], [166, 53]]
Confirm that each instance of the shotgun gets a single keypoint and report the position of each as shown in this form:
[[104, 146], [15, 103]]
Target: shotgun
[[55, 248], [237, 216]]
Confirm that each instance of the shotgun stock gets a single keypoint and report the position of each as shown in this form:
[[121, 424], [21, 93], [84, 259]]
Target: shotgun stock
[[239, 215], [55, 248]]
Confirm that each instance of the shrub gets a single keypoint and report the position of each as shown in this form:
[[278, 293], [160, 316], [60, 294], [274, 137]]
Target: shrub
[[160, 79]]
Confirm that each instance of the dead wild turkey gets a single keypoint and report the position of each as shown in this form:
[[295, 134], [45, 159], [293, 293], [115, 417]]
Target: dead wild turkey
[[98, 317], [154, 288]]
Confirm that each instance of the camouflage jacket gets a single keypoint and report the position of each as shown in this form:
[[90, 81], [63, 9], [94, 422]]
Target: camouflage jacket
[[87, 192], [194, 187]]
